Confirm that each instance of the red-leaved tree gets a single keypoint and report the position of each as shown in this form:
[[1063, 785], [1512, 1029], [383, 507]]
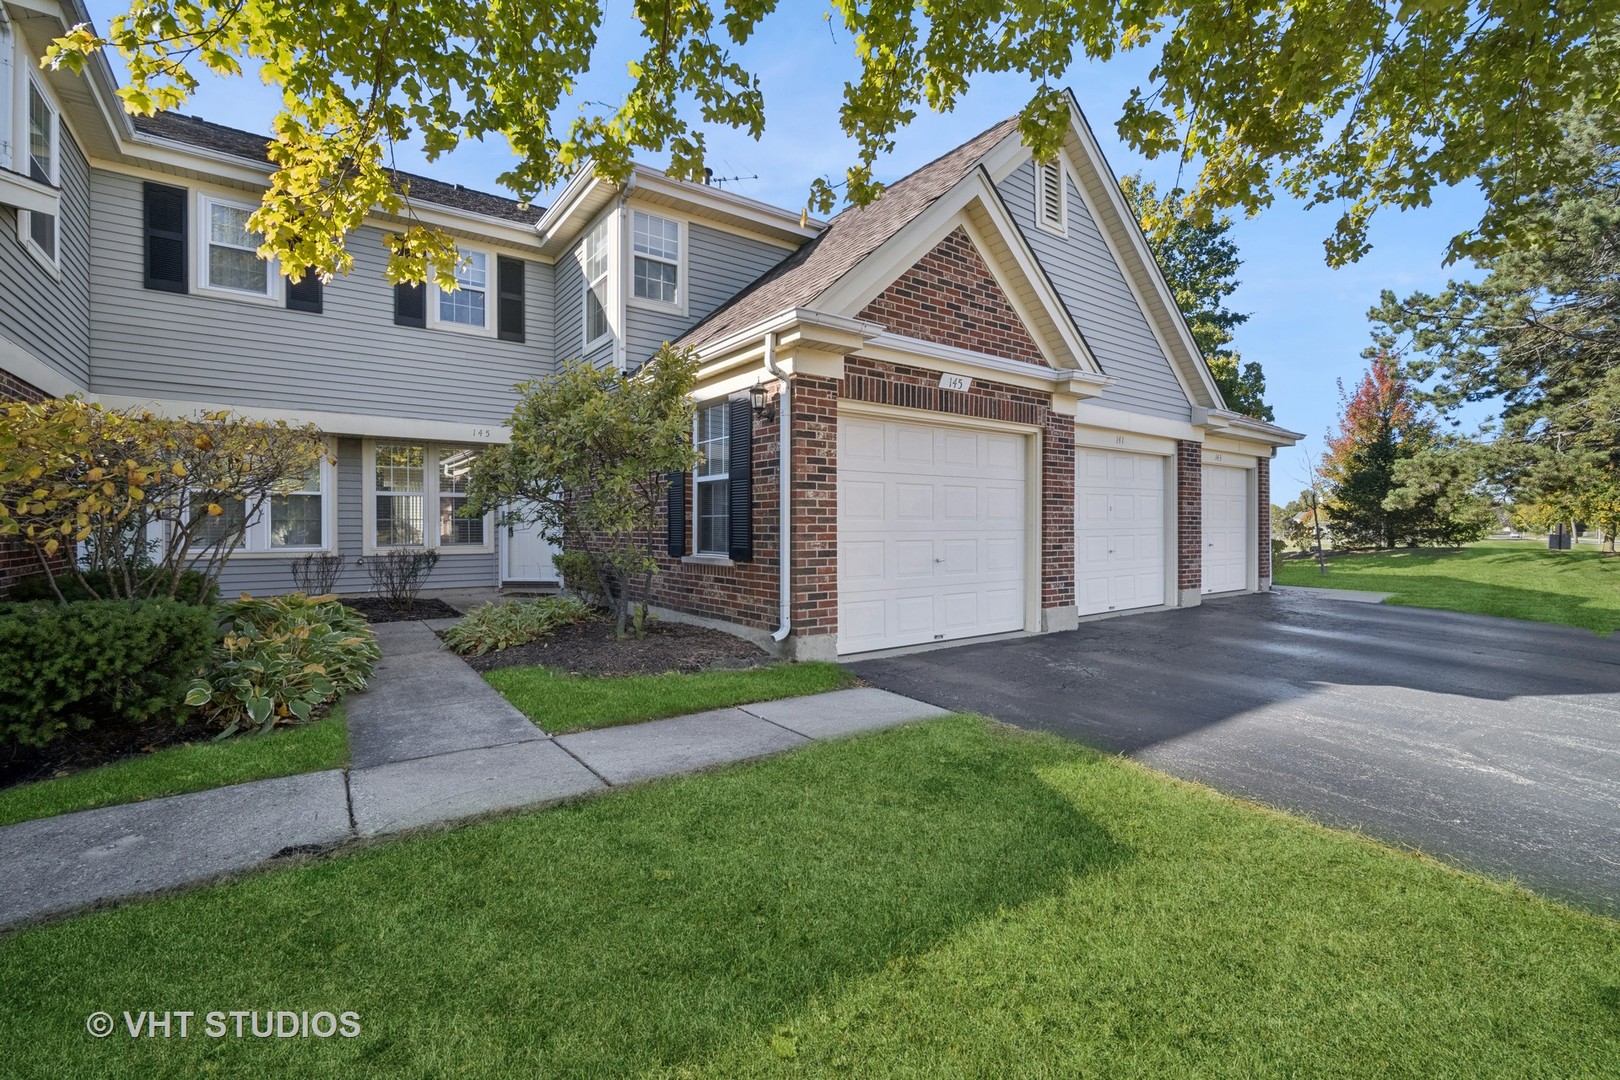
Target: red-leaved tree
[[1379, 425]]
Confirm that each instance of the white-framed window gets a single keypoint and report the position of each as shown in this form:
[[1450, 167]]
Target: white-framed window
[[468, 307], [415, 491], [1051, 197], [42, 124], [228, 258], [299, 518], [655, 245], [594, 260], [711, 479]]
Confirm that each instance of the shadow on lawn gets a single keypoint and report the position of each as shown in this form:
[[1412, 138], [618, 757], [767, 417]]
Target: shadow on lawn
[[625, 934]]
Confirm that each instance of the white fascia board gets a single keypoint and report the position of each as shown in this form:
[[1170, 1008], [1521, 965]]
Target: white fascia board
[[34, 371], [361, 425], [1080, 127], [26, 193], [1092, 415], [908, 350]]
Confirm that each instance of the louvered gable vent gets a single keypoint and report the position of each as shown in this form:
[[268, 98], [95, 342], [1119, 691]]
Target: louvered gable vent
[[1049, 195]]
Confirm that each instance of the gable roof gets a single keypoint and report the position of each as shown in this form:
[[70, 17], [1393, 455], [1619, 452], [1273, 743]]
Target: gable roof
[[207, 135], [848, 239]]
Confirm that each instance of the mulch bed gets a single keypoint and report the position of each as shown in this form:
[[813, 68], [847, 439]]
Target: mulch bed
[[589, 648], [376, 610], [94, 748]]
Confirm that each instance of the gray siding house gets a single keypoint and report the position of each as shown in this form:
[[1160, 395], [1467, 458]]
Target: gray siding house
[[969, 409]]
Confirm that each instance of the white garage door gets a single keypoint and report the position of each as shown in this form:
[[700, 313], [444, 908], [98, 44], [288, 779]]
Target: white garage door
[[1226, 529], [1119, 530], [930, 533]]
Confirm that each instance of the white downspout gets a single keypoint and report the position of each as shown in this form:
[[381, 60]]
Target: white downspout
[[784, 532]]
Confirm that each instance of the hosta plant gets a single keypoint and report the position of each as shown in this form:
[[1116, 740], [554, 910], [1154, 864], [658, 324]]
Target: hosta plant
[[282, 660], [514, 622]]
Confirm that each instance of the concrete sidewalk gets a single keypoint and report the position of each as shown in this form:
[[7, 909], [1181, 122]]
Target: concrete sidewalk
[[430, 742]]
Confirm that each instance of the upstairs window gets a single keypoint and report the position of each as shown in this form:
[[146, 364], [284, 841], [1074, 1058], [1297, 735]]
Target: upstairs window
[[469, 305], [229, 259], [594, 254], [39, 230], [656, 242], [1051, 197]]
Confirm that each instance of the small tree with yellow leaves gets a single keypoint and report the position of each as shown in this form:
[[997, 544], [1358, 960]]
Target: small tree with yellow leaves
[[135, 499]]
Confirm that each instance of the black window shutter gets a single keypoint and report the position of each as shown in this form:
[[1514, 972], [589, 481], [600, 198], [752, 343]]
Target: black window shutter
[[740, 499], [675, 529], [509, 298], [165, 237], [305, 294], [410, 305]]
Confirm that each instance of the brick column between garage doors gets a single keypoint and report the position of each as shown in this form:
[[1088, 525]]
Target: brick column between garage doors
[[1189, 520], [1262, 487]]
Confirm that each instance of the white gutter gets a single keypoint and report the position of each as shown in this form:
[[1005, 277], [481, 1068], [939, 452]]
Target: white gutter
[[784, 460]]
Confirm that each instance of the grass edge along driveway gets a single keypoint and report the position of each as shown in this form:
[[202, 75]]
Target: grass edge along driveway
[[560, 704], [1511, 578], [951, 898], [177, 770]]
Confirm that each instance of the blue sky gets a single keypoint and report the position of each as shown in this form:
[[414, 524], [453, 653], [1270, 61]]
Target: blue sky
[[1307, 323]]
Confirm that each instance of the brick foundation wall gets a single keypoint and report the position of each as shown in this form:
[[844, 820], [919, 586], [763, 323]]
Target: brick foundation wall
[[950, 297], [16, 560], [1262, 485], [1189, 515]]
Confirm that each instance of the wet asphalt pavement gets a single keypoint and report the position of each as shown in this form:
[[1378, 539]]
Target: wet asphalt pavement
[[1493, 742]]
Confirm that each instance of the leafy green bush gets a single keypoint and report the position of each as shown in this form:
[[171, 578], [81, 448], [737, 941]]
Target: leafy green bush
[[580, 577], [501, 626], [194, 588], [96, 664], [282, 659]]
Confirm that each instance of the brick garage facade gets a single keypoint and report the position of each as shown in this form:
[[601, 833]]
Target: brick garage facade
[[15, 559], [1189, 516], [950, 298]]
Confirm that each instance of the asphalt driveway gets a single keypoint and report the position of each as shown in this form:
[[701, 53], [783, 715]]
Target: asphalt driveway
[[1491, 741]]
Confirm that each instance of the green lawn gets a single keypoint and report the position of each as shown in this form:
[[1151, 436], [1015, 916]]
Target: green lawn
[[1518, 579], [564, 703], [178, 769], [947, 899]]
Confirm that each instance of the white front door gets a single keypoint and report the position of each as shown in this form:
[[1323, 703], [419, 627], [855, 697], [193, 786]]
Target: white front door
[[1226, 529], [930, 533], [1119, 530], [528, 556]]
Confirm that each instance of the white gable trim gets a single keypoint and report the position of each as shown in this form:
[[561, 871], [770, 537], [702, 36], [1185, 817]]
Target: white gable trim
[[974, 205]]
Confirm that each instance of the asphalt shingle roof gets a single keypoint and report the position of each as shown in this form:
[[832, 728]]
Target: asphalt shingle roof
[[845, 242], [208, 135]]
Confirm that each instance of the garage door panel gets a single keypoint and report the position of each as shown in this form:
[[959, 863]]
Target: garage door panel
[[1226, 529], [1119, 531], [861, 442], [929, 530]]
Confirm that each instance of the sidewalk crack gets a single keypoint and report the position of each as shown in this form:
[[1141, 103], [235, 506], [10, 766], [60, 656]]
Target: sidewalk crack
[[348, 801], [582, 761]]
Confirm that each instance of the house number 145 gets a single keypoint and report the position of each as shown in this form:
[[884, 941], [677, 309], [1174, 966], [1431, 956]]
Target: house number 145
[[948, 381]]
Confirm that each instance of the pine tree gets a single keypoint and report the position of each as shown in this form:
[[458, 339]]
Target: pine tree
[[1379, 426]]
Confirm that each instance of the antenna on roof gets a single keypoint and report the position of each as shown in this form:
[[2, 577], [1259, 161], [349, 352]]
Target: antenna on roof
[[722, 181]]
